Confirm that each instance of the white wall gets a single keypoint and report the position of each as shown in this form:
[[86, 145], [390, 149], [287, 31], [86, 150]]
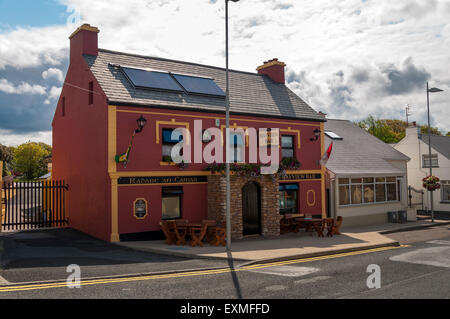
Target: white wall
[[414, 148]]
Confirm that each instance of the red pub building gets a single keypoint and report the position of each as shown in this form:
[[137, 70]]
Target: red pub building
[[106, 92]]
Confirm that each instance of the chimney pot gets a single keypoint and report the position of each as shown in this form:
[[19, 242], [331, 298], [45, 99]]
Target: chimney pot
[[274, 69]]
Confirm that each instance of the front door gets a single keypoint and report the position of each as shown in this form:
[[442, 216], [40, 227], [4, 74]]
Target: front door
[[251, 212]]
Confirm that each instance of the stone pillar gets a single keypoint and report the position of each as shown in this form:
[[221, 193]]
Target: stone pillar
[[269, 196]]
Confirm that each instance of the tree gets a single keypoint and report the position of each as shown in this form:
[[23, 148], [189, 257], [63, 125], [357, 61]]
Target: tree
[[31, 159], [448, 134], [6, 156], [433, 130], [379, 128], [390, 131]]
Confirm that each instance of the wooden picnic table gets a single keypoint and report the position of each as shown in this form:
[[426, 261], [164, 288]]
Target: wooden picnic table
[[310, 224], [196, 232]]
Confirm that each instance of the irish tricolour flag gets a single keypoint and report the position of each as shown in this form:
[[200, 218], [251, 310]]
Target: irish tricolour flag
[[326, 156]]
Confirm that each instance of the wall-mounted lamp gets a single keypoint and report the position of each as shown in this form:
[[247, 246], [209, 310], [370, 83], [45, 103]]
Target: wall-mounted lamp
[[141, 123], [316, 135]]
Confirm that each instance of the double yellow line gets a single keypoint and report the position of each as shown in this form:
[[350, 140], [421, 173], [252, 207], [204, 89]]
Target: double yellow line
[[90, 282]]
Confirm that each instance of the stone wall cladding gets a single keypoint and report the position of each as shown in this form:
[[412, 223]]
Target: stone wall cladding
[[270, 213]]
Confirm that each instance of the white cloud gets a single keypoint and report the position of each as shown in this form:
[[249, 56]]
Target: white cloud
[[6, 138], [31, 47], [53, 73], [317, 39], [53, 94], [22, 88]]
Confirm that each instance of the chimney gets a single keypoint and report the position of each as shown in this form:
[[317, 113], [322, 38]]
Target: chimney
[[84, 41], [274, 69]]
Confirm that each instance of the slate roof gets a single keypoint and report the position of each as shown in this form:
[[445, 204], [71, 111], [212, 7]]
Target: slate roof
[[439, 143], [250, 93], [360, 153]]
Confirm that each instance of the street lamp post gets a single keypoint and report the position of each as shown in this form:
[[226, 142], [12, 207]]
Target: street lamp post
[[227, 134], [432, 90]]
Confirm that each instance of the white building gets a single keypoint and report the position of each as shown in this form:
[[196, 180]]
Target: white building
[[415, 145], [367, 178]]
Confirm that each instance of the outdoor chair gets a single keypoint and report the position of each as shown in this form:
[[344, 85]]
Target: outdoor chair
[[211, 230], [180, 231], [197, 235], [169, 232], [327, 224], [337, 226], [285, 224], [220, 235]]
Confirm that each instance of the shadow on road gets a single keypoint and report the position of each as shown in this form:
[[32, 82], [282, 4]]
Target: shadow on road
[[236, 284]]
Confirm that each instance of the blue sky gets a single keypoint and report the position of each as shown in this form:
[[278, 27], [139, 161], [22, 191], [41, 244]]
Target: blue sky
[[347, 58], [14, 13]]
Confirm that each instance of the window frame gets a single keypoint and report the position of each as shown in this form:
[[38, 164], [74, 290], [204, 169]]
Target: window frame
[[292, 148], [444, 185], [350, 182], [235, 146], [430, 162], [164, 143], [168, 195], [285, 191]]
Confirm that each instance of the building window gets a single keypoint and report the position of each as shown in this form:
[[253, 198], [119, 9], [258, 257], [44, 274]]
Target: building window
[[445, 191], [288, 199], [168, 143], [426, 160], [63, 106], [171, 202], [236, 147], [287, 146], [367, 190], [91, 92]]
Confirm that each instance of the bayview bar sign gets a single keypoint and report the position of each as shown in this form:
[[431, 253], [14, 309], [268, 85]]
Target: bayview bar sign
[[161, 180], [293, 177]]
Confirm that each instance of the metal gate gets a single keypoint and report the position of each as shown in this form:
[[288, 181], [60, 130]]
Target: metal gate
[[415, 197], [31, 205]]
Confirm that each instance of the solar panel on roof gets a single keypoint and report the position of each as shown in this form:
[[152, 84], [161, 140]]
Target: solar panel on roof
[[198, 85], [152, 79]]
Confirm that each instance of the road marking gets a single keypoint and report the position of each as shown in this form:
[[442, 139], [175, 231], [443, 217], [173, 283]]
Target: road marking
[[438, 256], [275, 288], [311, 280], [4, 282], [439, 242], [287, 271], [38, 286]]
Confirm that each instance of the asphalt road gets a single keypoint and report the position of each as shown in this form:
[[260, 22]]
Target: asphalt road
[[421, 270]]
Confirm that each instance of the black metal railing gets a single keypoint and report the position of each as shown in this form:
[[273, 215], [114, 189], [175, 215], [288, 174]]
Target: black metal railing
[[31, 205], [415, 197]]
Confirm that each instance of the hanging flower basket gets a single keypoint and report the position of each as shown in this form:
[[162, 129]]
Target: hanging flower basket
[[290, 164], [431, 183], [182, 165]]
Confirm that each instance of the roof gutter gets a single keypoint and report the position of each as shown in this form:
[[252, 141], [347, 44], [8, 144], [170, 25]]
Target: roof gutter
[[167, 107]]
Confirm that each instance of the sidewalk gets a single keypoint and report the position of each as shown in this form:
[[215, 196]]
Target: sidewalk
[[289, 246]]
